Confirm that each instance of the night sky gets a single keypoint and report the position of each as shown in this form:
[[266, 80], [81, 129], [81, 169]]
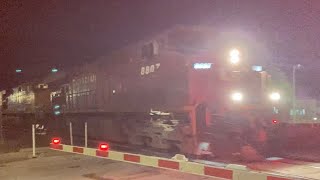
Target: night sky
[[36, 35]]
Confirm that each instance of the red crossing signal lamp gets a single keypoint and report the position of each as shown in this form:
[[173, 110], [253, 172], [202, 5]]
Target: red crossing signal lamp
[[104, 147], [274, 121], [56, 141]]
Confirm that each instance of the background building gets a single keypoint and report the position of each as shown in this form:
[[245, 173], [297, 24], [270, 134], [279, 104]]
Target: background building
[[306, 110]]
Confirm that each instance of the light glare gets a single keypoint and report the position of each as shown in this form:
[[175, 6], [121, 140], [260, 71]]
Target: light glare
[[275, 96], [202, 65], [257, 68], [56, 141], [104, 147], [234, 56], [237, 96]]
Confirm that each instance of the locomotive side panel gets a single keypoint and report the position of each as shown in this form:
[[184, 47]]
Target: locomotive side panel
[[28, 98], [140, 85], [81, 91], [21, 100], [148, 74], [42, 99], [101, 127]]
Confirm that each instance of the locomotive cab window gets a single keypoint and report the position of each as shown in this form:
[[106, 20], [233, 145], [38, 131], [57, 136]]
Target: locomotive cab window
[[149, 50]]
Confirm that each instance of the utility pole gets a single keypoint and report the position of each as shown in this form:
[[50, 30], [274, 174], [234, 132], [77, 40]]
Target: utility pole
[[1, 129], [1, 120], [295, 68], [294, 93]]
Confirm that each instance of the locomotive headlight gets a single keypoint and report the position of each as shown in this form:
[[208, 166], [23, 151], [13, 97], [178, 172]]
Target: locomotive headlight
[[236, 96], [275, 96], [234, 56]]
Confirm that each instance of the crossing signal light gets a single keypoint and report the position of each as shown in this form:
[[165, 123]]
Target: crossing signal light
[[104, 147], [56, 141]]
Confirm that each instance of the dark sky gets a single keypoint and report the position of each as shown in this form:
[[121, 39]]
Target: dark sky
[[36, 35]]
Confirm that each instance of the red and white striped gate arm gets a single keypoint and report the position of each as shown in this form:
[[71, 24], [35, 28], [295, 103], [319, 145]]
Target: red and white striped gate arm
[[231, 172]]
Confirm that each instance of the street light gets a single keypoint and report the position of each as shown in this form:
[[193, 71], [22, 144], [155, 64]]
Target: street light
[[295, 67]]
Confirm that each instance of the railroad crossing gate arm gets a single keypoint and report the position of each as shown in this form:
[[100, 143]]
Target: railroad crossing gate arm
[[230, 172]]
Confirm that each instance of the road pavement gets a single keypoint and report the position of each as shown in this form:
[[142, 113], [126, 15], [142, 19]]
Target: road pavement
[[53, 165]]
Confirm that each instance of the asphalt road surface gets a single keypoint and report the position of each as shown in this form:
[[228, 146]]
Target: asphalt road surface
[[53, 165]]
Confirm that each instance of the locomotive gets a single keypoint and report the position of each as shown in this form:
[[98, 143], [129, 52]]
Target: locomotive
[[168, 92], [171, 92], [27, 104]]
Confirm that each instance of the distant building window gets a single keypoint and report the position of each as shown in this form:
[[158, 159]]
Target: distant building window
[[257, 68], [299, 112]]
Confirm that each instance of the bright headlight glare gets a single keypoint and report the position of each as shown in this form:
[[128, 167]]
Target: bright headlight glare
[[234, 56], [275, 96], [236, 96]]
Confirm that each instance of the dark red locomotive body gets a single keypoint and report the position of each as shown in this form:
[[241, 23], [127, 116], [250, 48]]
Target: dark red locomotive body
[[176, 91], [166, 92]]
